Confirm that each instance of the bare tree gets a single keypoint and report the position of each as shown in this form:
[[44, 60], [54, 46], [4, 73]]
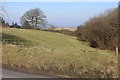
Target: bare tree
[[2, 10], [52, 26], [34, 17], [1, 13], [101, 31], [26, 25]]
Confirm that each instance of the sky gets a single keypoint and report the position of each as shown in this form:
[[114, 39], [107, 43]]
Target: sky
[[61, 14], [61, 0]]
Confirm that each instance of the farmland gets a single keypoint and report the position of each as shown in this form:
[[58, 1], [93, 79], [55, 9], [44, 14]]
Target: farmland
[[67, 28]]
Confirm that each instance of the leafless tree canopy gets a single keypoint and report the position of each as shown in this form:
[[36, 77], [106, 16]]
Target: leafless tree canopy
[[101, 31], [34, 17], [2, 12]]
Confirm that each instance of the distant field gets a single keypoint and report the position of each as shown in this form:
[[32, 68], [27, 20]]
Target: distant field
[[70, 28], [56, 54]]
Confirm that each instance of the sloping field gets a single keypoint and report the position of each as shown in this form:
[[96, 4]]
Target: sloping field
[[55, 54]]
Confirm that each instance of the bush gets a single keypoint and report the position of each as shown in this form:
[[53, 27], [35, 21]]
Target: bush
[[101, 31]]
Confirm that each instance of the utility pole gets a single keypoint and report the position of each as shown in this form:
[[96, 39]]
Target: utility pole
[[117, 52]]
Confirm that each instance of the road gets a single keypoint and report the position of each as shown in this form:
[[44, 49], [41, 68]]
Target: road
[[16, 74]]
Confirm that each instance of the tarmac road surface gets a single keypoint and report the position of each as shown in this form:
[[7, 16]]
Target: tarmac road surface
[[6, 73]]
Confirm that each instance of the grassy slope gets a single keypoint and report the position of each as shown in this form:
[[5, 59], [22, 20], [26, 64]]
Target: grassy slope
[[58, 54]]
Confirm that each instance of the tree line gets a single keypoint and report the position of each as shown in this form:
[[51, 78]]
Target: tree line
[[101, 31], [32, 19]]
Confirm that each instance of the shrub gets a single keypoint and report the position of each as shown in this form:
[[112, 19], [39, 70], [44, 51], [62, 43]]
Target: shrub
[[101, 31]]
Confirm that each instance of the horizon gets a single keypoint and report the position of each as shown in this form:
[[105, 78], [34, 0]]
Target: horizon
[[61, 14]]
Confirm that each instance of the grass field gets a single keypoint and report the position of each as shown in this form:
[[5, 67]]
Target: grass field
[[69, 28], [56, 54]]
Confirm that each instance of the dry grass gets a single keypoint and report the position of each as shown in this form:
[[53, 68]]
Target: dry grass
[[69, 28]]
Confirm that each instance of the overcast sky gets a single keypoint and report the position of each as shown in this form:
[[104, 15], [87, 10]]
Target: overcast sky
[[62, 14]]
